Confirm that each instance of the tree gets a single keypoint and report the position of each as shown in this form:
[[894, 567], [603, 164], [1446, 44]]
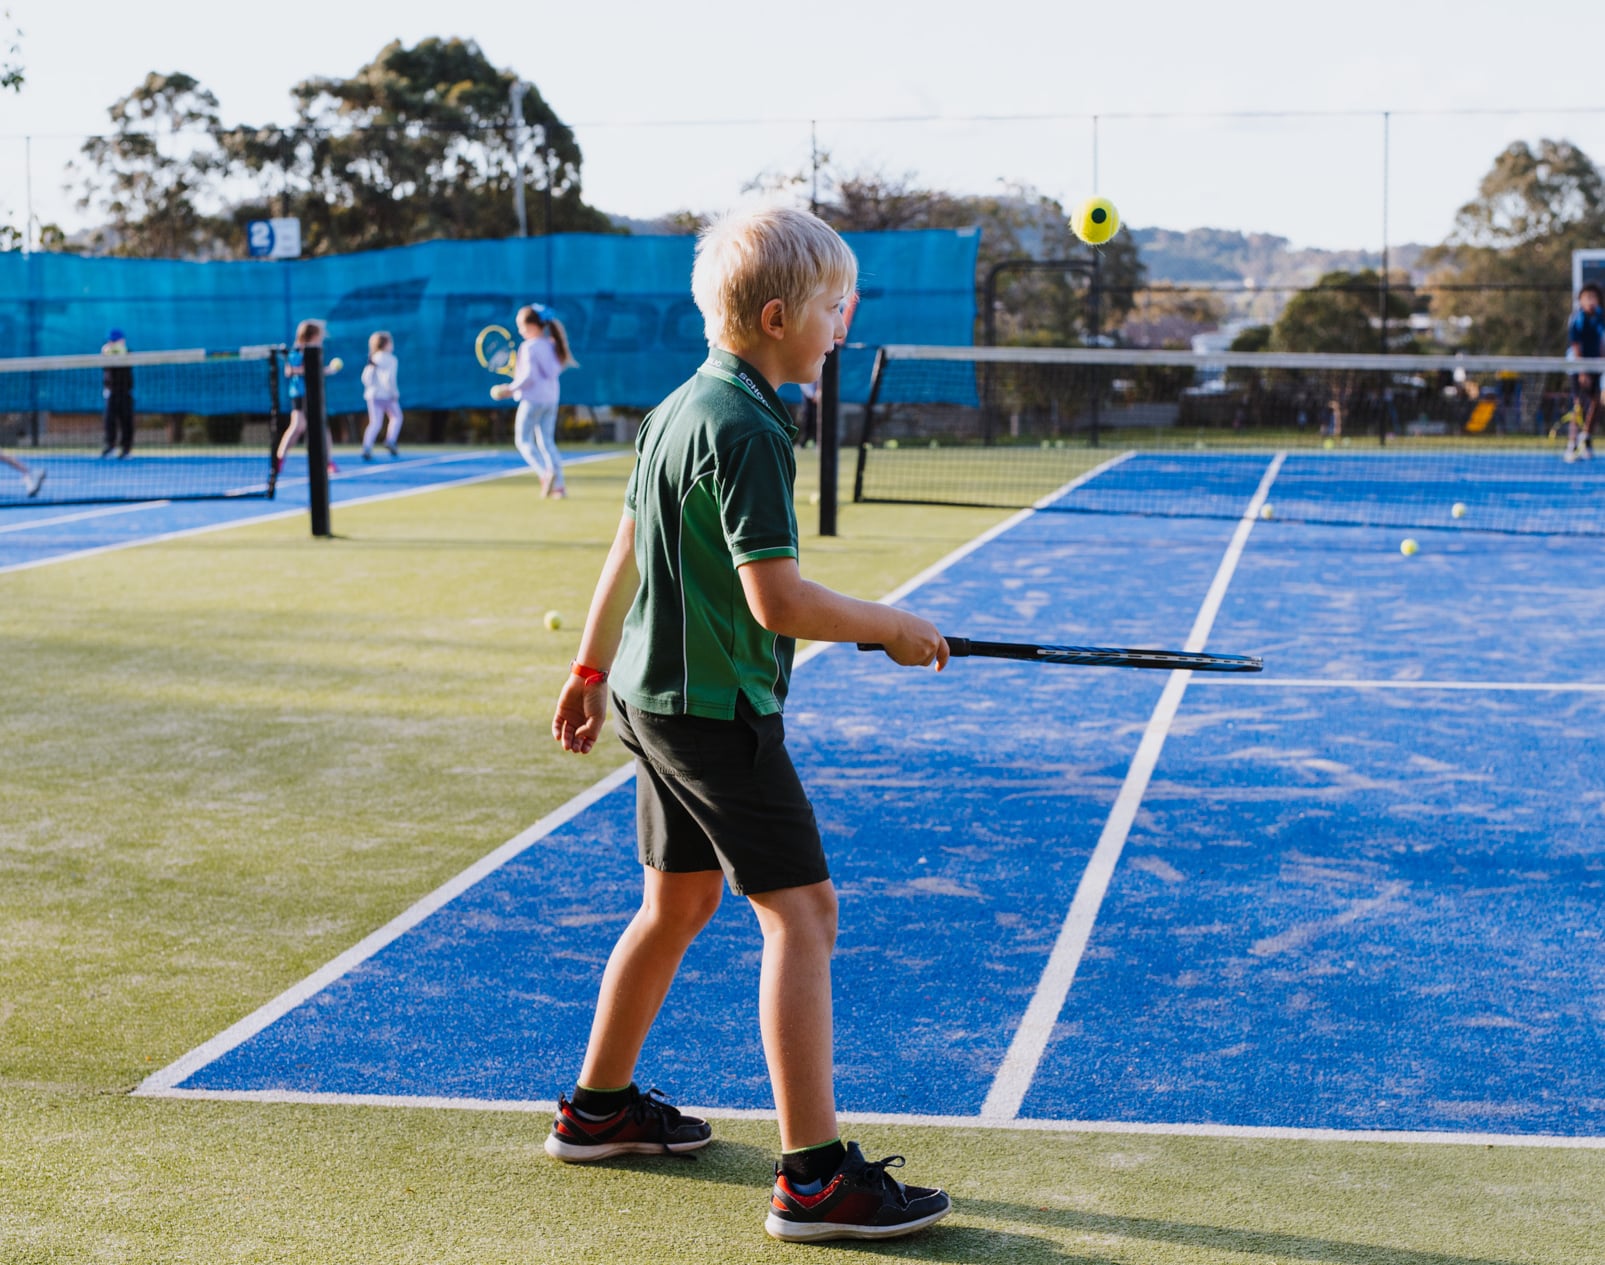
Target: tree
[[1340, 313], [418, 144], [11, 75], [156, 170], [1509, 254]]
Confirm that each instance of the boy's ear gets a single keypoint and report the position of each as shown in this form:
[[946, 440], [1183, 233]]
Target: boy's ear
[[772, 320]]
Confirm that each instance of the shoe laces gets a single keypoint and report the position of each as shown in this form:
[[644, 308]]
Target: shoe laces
[[875, 1176], [654, 1102]]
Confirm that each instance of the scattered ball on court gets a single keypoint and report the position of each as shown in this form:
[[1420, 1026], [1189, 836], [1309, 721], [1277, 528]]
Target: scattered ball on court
[[1267, 511], [1095, 221], [1327, 443], [1408, 546], [554, 621], [1458, 509], [891, 443], [813, 498]]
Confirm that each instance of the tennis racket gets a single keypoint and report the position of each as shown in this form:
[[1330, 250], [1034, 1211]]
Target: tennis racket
[[496, 350], [1094, 656]]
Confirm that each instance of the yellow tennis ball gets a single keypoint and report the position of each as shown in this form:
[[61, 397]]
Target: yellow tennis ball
[[813, 498], [1408, 546], [1327, 443], [1267, 510], [891, 443], [1095, 221], [336, 365], [554, 621], [1458, 509]]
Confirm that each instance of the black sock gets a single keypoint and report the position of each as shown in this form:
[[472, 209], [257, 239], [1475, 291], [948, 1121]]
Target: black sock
[[599, 1103], [813, 1165]]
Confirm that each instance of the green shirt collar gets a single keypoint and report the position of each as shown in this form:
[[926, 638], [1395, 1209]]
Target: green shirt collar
[[729, 367]]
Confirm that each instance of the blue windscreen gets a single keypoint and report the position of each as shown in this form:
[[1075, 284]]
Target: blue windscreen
[[625, 301]]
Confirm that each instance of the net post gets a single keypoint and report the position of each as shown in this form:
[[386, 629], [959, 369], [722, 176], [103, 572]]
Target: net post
[[1094, 332], [869, 417], [830, 382], [317, 441], [275, 418]]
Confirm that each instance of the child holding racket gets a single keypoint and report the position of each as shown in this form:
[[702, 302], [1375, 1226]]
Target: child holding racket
[[307, 334], [542, 357], [381, 394], [691, 631]]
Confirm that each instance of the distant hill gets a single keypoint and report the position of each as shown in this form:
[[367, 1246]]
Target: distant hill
[[1262, 259]]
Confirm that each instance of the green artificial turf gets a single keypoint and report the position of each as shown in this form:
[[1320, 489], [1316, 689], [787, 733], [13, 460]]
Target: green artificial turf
[[228, 757]]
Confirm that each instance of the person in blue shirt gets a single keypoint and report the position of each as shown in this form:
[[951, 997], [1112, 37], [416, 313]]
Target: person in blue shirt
[[307, 334], [1584, 337]]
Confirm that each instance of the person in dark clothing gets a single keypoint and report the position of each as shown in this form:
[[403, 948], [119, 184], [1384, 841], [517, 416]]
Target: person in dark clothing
[[117, 385]]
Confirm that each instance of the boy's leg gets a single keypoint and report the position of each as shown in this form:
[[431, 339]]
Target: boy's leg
[[674, 908], [794, 1009]]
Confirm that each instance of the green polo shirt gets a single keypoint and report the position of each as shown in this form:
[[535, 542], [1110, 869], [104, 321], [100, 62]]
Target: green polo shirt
[[712, 489]]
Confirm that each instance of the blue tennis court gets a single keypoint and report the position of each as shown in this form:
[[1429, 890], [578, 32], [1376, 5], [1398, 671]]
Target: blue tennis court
[[36, 535], [1358, 893]]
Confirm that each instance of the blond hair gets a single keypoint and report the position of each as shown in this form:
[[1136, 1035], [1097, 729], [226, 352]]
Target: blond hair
[[747, 258], [307, 331]]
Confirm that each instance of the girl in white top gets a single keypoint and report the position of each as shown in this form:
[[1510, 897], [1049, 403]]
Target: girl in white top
[[542, 356], [380, 391]]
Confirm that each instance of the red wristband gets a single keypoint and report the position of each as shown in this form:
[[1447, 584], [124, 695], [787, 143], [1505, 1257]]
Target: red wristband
[[591, 676]]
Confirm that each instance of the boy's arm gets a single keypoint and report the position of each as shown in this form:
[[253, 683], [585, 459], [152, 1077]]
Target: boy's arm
[[582, 708], [785, 603]]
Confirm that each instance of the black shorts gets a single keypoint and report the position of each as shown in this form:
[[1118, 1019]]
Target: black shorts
[[721, 795]]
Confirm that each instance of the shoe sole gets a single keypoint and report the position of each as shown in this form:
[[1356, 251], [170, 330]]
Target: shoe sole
[[822, 1231], [571, 1154]]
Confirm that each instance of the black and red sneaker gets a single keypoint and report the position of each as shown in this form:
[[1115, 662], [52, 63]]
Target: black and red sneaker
[[645, 1125], [861, 1201]]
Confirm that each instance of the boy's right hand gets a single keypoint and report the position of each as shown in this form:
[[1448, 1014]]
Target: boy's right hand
[[581, 712], [916, 643]]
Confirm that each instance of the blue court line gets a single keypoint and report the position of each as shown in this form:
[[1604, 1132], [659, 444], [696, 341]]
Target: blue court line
[[38, 536], [957, 839]]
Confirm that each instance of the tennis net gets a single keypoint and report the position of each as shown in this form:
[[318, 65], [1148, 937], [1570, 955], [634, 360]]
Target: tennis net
[[141, 426], [1429, 441]]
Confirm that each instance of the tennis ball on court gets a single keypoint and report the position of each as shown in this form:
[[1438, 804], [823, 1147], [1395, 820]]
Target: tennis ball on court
[[1095, 221], [1267, 510], [891, 443], [1458, 509], [813, 498], [336, 365], [1327, 443], [1407, 546], [554, 621]]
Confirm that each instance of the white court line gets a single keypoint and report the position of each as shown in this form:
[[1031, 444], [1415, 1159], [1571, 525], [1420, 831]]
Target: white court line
[[292, 513], [80, 517], [1020, 1063], [1339, 683], [1555, 1141], [162, 1083]]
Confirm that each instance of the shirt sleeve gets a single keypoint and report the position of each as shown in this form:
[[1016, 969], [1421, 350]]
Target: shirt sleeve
[[755, 499], [524, 374]]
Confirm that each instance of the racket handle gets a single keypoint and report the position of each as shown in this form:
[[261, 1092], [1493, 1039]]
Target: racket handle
[[957, 647]]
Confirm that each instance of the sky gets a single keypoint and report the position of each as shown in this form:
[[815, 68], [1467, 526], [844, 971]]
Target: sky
[[1253, 116]]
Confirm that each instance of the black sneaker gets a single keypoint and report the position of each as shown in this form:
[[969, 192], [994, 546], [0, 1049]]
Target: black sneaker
[[645, 1125], [862, 1201]]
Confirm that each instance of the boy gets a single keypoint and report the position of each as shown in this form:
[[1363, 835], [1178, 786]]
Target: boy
[[1583, 339], [117, 386], [693, 624]]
